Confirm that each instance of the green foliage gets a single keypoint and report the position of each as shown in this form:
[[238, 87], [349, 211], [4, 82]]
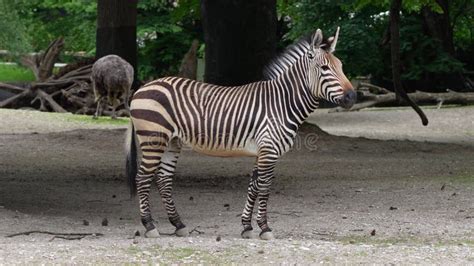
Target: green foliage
[[13, 36], [165, 32], [363, 45], [408, 5], [422, 55], [165, 29], [47, 20], [361, 31]]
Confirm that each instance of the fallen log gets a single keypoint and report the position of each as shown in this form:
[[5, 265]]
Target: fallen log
[[451, 97]]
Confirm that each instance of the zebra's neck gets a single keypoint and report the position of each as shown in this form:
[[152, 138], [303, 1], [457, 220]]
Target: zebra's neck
[[298, 102]]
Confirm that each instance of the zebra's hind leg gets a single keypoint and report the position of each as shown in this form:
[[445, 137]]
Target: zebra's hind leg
[[266, 165], [164, 182], [252, 194], [152, 146]]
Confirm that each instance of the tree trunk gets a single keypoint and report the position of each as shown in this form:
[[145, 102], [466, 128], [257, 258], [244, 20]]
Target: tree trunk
[[240, 37], [395, 46], [117, 30], [439, 25]]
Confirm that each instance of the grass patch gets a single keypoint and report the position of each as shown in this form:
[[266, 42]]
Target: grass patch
[[465, 178], [15, 73], [104, 120], [175, 255], [408, 240]]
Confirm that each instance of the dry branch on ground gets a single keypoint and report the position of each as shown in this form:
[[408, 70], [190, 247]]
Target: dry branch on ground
[[373, 95]]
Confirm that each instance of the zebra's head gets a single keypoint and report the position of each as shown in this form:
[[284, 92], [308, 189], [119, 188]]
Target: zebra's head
[[326, 78]]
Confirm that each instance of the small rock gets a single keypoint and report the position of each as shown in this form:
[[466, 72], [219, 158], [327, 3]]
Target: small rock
[[261, 251], [344, 217], [105, 222], [218, 238], [358, 190], [352, 241], [443, 186], [393, 208], [135, 241], [114, 196], [461, 210], [226, 205], [85, 222], [304, 248], [146, 253], [191, 198], [412, 210], [372, 233], [137, 233]]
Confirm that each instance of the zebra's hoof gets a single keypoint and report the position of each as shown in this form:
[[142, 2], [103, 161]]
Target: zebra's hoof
[[182, 232], [248, 234], [268, 235], [153, 233]]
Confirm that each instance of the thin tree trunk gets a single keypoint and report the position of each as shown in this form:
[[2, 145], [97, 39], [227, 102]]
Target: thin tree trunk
[[240, 37], [396, 63]]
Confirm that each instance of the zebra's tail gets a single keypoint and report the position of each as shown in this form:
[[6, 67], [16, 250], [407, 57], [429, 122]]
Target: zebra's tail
[[131, 164]]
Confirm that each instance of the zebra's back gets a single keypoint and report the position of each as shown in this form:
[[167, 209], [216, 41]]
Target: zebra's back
[[214, 120]]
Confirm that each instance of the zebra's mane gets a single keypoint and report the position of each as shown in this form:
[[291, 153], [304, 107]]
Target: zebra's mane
[[281, 63]]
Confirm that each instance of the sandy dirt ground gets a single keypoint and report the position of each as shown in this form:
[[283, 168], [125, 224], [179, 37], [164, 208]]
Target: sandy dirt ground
[[336, 200]]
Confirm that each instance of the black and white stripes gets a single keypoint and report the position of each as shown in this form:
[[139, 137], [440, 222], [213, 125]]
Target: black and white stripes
[[260, 119]]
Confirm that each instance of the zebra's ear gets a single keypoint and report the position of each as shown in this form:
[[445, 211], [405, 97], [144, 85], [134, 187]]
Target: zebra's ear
[[317, 39], [333, 41]]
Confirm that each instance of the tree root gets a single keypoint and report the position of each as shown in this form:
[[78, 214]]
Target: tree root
[[67, 236]]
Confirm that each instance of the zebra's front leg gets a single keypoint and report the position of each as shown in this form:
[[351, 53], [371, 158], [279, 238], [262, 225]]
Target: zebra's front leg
[[266, 165], [252, 194]]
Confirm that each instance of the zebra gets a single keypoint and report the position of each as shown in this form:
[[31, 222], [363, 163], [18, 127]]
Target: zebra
[[258, 119], [112, 78]]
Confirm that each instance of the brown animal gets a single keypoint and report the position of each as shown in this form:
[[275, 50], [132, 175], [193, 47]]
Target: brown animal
[[112, 78]]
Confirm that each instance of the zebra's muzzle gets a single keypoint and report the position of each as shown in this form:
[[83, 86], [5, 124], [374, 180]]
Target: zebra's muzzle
[[349, 99]]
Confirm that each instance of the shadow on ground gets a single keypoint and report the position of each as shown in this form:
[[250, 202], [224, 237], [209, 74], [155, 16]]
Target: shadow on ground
[[326, 201]]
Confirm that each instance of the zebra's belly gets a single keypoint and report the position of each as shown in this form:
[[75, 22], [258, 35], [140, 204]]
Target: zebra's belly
[[249, 150]]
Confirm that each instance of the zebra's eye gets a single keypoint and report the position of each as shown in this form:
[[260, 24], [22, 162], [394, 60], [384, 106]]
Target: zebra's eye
[[325, 67]]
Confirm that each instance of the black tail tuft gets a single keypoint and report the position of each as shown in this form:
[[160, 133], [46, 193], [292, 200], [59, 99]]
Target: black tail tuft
[[131, 165]]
